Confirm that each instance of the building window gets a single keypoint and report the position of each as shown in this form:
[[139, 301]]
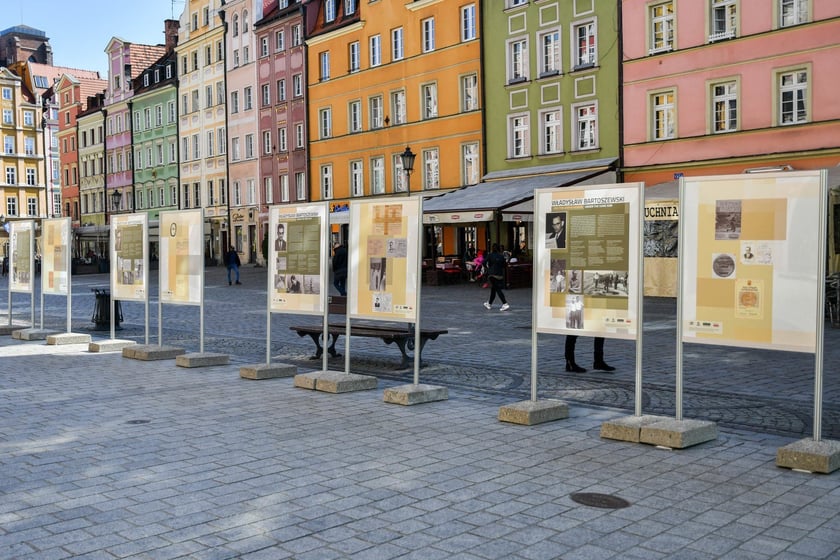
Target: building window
[[29, 146], [354, 110], [297, 39], [236, 58], [377, 175], [299, 136], [724, 20], [9, 144], [552, 131], [32, 206], [234, 102], [399, 181], [375, 51], [428, 35], [326, 182], [329, 11], [171, 112], [28, 118], [585, 54], [249, 146], [515, 3], [664, 115], [325, 123], [519, 134], [355, 57], [280, 41], [662, 27], [248, 98], [725, 107], [267, 148], [196, 147], [517, 60], [281, 134], [266, 95], [252, 192], [7, 117], [586, 126], [235, 150], [263, 46], [195, 104], [235, 25], [147, 116], [300, 186], [793, 12], [398, 109], [324, 59], [397, 48], [349, 7], [468, 22], [7, 94], [793, 97], [431, 169], [30, 176], [430, 105], [376, 111], [549, 53], [237, 193], [297, 85], [158, 115], [284, 188], [470, 167], [357, 186], [268, 190], [11, 205]]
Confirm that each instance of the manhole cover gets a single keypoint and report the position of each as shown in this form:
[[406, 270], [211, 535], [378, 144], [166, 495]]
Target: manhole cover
[[138, 421], [599, 500]]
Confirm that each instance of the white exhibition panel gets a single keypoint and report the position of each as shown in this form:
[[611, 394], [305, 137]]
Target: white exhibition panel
[[55, 257], [130, 256], [182, 256], [22, 256]]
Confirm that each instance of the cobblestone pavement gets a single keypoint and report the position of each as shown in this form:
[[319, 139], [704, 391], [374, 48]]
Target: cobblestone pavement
[[103, 457]]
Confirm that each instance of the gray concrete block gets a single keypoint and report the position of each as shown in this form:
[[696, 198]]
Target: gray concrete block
[[678, 434], [415, 394], [267, 371], [335, 382], [151, 352], [529, 412], [202, 359], [110, 345], [32, 334], [68, 338], [6, 329], [628, 428], [809, 455], [308, 380]]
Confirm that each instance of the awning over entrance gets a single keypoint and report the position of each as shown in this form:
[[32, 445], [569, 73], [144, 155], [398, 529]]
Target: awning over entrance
[[478, 203]]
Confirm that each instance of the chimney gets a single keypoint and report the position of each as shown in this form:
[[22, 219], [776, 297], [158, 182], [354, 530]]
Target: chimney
[[170, 30]]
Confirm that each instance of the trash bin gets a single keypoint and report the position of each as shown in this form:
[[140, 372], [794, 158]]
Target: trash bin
[[102, 310]]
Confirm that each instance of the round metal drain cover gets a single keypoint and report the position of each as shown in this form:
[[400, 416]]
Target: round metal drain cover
[[599, 500], [138, 421]]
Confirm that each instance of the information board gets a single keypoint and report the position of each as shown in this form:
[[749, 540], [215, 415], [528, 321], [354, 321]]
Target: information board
[[55, 256], [182, 256], [21, 249], [129, 256]]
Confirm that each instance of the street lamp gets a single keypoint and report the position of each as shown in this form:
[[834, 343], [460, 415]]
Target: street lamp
[[408, 166], [116, 197]]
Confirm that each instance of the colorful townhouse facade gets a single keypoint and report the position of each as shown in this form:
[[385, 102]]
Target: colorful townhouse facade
[[388, 76], [90, 124], [202, 120], [281, 65], [242, 128], [154, 139], [720, 86]]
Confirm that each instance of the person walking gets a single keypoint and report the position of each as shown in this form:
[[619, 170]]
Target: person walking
[[339, 264], [598, 362], [233, 263], [495, 263]]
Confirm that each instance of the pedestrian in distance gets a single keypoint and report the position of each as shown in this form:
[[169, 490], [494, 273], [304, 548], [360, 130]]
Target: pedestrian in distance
[[495, 263], [339, 264], [598, 362], [232, 263]]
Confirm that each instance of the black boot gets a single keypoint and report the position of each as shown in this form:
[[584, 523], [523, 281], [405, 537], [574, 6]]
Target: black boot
[[573, 367], [602, 366]]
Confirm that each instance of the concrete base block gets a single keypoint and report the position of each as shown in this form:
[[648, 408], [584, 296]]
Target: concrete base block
[[267, 371], [528, 413], [202, 359], [110, 345], [32, 334], [335, 382], [68, 338], [415, 394], [678, 434], [150, 352], [809, 455], [628, 428], [6, 329]]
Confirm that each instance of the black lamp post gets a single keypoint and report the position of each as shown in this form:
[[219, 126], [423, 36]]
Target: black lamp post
[[408, 166]]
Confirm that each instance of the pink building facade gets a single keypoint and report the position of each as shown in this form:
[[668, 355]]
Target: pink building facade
[[722, 86]]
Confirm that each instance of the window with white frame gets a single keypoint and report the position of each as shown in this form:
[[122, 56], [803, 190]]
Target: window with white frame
[[357, 185], [267, 148], [661, 27], [793, 97], [325, 123], [236, 25], [324, 59], [297, 85], [428, 26], [329, 10], [280, 41], [171, 114], [299, 136], [376, 113], [263, 46], [30, 176], [282, 142], [551, 137], [470, 168], [236, 153], [249, 146], [300, 186], [375, 50], [397, 46], [431, 169], [234, 102], [222, 139], [549, 52], [186, 197], [161, 199], [586, 126], [349, 7], [354, 56], [236, 58], [159, 148], [468, 22], [585, 51], [158, 115], [211, 194], [268, 190], [430, 103], [245, 57], [517, 60], [11, 205], [237, 194], [173, 152], [725, 107], [196, 147], [377, 175], [398, 109], [140, 199], [723, 19], [28, 118], [281, 90], [519, 132], [7, 117], [469, 92], [297, 38], [7, 93], [326, 182], [354, 116], [793, 12], [664, 115], [248, 98], [9, 144], [284, 188], [147, 116], [251, 192], [266, 95], [399, 178], [515, 3], [32, 206], [28, 146]]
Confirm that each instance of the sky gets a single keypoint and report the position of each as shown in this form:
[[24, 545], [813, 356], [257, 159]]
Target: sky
[[80, 30]]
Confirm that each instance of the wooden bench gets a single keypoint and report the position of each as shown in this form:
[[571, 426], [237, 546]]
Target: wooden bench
[[403, 337]]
